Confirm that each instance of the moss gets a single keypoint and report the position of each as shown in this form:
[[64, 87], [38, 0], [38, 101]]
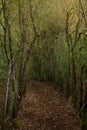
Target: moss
[[19, 123]]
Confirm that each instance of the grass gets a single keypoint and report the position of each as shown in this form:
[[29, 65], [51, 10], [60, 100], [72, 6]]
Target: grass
[[1, 105]]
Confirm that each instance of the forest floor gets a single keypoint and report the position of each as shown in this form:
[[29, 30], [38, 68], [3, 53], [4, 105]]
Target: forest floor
[[44, 108]]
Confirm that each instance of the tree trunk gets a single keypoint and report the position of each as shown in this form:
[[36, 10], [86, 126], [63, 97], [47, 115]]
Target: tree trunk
[[81, 88], [7, 95]]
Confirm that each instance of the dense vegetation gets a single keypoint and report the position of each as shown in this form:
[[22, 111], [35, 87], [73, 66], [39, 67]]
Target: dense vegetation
[[48, 42]]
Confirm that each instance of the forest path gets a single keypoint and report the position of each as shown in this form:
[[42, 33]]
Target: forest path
[[43, 108]]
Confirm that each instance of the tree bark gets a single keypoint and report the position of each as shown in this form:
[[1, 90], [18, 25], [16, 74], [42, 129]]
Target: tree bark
[[81, 88], [6, 96], [83, 12]]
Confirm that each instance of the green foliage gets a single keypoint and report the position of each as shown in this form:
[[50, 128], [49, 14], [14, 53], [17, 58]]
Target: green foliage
[[3, 67], [30, 69], [84, 120]]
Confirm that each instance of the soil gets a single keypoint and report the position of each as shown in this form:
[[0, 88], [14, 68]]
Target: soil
[[44, 108]]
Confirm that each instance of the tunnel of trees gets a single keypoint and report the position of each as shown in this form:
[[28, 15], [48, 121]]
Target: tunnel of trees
[[45, 40]]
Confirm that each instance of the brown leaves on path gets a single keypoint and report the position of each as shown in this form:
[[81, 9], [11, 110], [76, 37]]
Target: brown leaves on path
[[44, 109]]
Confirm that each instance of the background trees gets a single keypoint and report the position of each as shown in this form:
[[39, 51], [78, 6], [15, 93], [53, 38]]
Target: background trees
[[60, 57]]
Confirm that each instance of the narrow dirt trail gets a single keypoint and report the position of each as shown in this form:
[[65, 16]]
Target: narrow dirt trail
[[44, 109]]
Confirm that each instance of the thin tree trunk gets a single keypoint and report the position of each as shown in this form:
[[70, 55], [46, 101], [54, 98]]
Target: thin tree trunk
[[7, 95], [69, 50], [74, 80], [83, 12], [81, 88]]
